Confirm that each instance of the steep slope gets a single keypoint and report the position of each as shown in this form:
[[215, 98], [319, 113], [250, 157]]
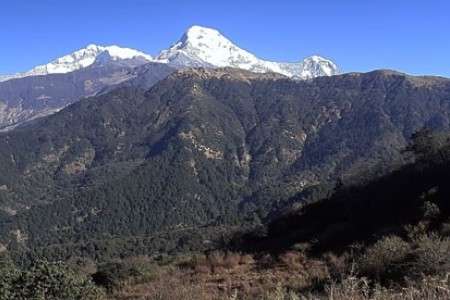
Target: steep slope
[[416, 194], [199, 147], [25, 99], [206, 47]]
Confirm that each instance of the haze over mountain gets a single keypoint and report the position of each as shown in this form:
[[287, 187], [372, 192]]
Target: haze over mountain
[[202, 146], [84, 72], [30, 97]]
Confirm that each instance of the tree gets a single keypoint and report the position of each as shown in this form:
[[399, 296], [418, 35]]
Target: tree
[[8, 273], [429, 146], [53, 281]]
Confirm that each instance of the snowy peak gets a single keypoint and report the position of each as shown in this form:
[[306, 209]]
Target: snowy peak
[[118, 53], [195, 35], [207, 47], [198, 47], [201, 46], [86, 57], [315, 66]]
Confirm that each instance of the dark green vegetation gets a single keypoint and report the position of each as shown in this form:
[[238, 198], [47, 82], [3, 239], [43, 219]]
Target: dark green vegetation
[[401, 250], [44, 280], [382, 239], [410, 199], [372, 208], [135, 171]]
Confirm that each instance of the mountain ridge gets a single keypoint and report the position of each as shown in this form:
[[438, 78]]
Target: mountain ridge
[[198, 47], [202, 146], [23, 99]]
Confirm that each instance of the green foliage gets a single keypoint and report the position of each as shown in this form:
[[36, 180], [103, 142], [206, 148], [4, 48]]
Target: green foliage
[[111, 275], [197, 150], [430, 146], [414, 194], [53, 281], [8, 274]]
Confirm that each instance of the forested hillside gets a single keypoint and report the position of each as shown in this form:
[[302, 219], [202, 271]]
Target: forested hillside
[[384, 238], [200, 148]]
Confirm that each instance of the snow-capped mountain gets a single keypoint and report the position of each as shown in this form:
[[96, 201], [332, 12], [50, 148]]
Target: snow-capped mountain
[[198, 47], [201, 46], [83, 58], [86, 57]]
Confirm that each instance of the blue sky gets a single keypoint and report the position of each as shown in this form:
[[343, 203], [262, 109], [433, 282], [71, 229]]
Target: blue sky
[[406, 35]]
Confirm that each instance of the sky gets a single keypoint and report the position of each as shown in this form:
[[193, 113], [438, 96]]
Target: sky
[[410, 36]]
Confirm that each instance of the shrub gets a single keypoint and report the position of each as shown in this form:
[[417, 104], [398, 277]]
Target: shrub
[[385, 258], [294, 260], [281, 293], [53, 281], [431, 255], [111, 275]]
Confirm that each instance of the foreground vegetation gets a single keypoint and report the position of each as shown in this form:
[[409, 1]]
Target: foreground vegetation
[[392, 268], [292, 275], [44, 280]]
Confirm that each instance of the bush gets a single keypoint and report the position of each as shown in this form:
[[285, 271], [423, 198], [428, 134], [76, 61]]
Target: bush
[[431, 255], [112, 275], [53, 281], [385, 259]]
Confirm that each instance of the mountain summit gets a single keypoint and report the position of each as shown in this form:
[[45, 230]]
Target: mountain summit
[[202, 46], [86, 57], [198, 47], [83, 58]]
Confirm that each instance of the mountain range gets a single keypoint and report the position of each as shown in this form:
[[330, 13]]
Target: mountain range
[[202, 146], [48, 88], [205, 47], [199, 47], [203, 134], [27, 98]]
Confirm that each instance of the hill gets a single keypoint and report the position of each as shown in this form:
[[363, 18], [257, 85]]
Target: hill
[[200, 148], [28, 98]]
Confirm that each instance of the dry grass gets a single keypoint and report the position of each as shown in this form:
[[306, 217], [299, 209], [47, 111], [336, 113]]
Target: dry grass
[[213, 276], [291, 276], [227, 276]]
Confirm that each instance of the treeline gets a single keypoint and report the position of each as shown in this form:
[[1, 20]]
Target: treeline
[[159, 246]]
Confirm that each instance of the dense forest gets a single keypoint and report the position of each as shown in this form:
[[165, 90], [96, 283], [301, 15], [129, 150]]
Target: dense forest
[[138, 170], [382, 238], [229, 173]]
